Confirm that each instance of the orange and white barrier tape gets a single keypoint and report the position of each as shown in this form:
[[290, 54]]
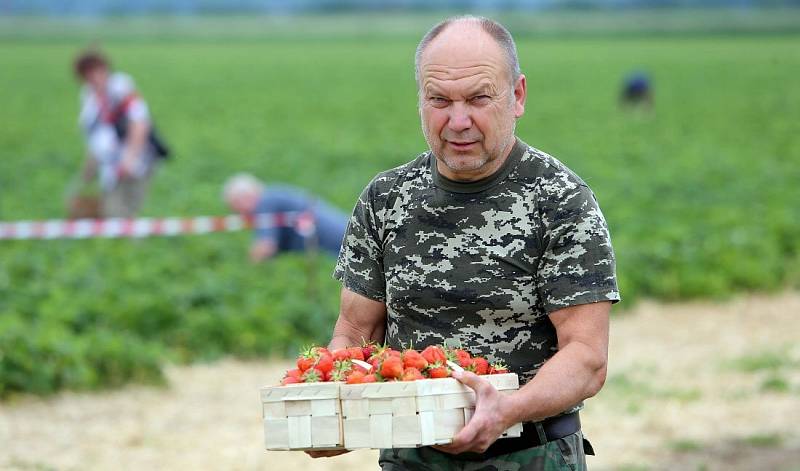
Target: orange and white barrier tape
[[302, 222]]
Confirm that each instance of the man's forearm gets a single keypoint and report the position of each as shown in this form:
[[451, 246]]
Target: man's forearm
[[135, 143], [360, 319], [345, 334], [570, 376]]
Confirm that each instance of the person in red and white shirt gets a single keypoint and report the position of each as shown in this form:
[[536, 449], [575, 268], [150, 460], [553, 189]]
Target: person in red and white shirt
[[117, 126]]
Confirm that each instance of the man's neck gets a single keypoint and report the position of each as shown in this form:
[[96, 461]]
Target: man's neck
[[489, 169]]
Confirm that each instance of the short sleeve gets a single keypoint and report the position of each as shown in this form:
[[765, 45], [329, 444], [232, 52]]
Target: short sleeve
[[577, 265], [360, 264], [137, 111]]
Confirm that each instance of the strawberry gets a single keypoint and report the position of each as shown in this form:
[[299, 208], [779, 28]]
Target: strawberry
[[438, 370], [295, 373], [341, 369], [355, 353], [498, 369], [324, 362], [313, 375], [480, 366], [355, 377], [412, 374], [392, 367], [290, 380], [370, 378], [323, 351], [368, 349], [434, 354], [413, 359], [305, 361], [309, 357], [460, 356], [341, 354]]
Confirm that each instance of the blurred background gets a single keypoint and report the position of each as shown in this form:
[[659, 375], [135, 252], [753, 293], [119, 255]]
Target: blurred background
[[147, 354]]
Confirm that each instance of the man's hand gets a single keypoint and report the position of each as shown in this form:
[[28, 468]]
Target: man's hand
[[494, 414], [326, 454], [262, 249]]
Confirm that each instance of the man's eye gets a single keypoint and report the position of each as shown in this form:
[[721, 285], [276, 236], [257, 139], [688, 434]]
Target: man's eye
[[439, 101], [480, 99]]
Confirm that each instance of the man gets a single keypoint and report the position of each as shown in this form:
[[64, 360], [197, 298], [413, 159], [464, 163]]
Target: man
[[485, 241], [121, 144], [637, 91], [286, 218]]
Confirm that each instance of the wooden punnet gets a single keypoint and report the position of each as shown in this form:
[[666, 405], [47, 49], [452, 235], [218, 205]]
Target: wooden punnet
[[410, 414], [302, 416]]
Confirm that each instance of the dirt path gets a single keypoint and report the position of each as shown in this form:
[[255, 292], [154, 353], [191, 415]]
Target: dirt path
[[691, 386]]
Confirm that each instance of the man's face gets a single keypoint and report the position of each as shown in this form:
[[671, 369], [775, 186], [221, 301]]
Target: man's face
[[468, 105], [243, 202], [96, 78]]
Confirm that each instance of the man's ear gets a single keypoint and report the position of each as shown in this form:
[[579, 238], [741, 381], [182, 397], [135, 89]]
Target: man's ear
[[520, 94]]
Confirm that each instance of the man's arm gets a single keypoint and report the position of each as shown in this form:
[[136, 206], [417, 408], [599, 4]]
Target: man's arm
[[360, 319], [262, 249], [135, 141], [576, 372]]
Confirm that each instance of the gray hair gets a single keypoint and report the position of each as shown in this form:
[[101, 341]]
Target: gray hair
[[494, 29], [241, 183]]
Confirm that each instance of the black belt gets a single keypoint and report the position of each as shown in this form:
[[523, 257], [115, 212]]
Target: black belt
[[553, 427]]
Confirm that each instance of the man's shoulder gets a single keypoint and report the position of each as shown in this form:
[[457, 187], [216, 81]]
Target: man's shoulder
[[545, 171], [120, 85], [408, 175]]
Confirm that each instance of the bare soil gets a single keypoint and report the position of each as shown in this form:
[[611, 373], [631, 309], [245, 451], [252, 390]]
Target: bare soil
[[691, 386]]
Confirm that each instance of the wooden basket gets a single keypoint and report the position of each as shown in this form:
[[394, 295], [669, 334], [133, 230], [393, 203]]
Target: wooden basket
[[302, 417], [413, 413]]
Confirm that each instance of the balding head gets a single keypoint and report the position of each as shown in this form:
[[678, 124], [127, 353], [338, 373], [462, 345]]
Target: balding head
[[242, 192], [470, 95], [463, 25]]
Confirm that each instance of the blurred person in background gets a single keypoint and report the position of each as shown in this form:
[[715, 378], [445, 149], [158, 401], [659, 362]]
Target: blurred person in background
[[122, 146], [293, 220], [637, 90]]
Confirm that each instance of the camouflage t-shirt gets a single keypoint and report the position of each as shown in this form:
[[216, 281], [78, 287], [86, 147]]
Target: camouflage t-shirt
[[479, 263]]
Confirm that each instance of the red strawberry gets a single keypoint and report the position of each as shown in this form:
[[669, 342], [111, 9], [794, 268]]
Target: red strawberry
[[412, 374], [290, 380], [355, 353], [308, 357], [313, 375], [323, 351], [341, 354], [460, 356], [305, 362], [392, 367], [370, 378], [498, 369], [355, 377], [368, 349], [295, 373], [413, 359], [434, 354], [324, 362], [480, 366], [437, 370]]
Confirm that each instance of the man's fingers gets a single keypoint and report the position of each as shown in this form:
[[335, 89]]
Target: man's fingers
[[326, 453], [472, 380]]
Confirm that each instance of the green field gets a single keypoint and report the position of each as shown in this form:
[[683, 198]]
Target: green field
[[701, 195]]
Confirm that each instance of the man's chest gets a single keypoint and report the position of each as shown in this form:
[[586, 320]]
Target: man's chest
[[444, 248]]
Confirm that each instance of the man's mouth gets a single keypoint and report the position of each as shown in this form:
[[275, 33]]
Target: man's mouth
[[462, 145]]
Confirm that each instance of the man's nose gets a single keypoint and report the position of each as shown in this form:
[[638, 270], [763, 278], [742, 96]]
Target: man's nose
[[459, 117]]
